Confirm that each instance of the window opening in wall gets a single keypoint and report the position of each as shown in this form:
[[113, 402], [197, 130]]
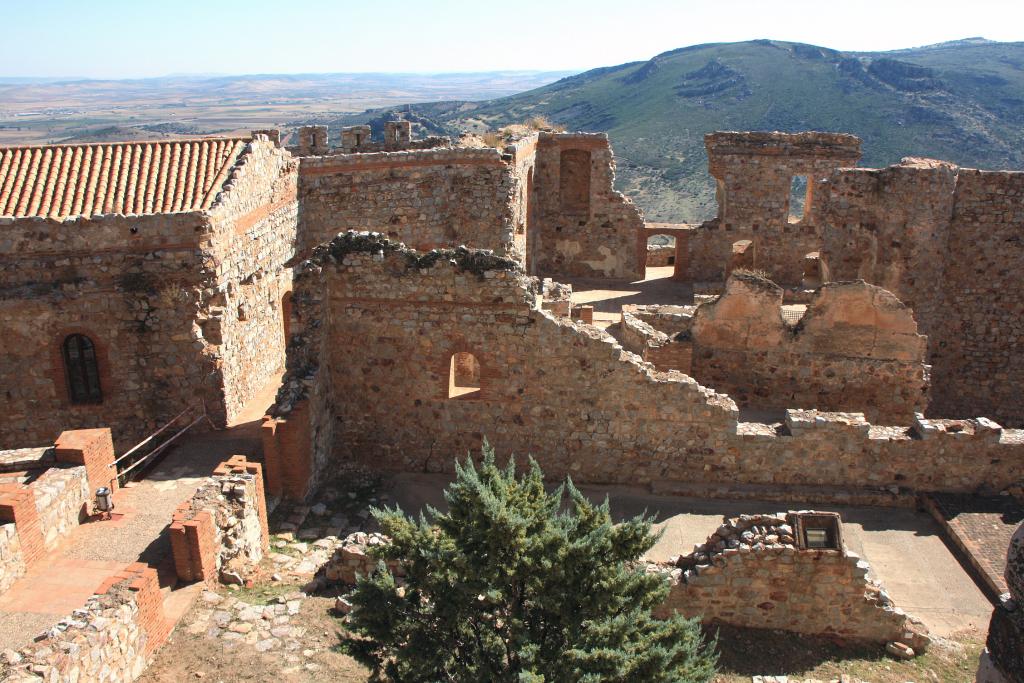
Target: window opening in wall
[[574, 180], [797, 198], [81, 369], [819, 531], [464, 375]]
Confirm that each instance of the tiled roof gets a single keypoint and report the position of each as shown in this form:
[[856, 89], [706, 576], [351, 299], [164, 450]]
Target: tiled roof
[[59, 181]]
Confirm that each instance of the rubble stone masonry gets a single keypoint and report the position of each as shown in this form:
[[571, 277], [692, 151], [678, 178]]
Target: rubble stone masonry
[[428, 198], [755, 572], [584, 226], [754, 174], [948, 243], [856, 348], [369, 379]]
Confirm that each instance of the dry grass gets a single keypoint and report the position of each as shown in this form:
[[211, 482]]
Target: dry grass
[[542, 123]]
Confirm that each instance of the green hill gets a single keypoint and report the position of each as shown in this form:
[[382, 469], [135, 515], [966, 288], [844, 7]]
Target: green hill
[[961, 101]]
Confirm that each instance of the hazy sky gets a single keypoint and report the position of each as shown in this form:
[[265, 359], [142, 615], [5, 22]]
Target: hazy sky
[[132, 38]]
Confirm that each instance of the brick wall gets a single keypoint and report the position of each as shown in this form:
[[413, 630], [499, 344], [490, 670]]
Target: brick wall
[[565, 393]]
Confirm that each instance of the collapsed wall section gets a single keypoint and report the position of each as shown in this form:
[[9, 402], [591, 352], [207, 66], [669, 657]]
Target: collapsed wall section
[[376, 376], [585, 228], [856, 348], [758, 571]]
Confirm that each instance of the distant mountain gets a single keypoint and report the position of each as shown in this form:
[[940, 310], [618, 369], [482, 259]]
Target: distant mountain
[[962, 101]]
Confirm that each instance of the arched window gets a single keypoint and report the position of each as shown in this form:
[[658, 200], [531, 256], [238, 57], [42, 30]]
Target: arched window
[[464, 376], [81, 369]]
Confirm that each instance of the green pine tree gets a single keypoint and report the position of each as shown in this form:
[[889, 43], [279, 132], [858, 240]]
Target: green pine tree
[[512, 585]]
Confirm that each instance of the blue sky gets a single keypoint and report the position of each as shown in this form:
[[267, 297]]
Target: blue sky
[[138, 38]]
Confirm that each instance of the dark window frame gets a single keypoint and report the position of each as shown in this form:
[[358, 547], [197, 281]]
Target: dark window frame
[[81, 369]]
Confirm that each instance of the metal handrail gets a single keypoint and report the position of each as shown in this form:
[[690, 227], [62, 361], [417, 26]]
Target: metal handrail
[[152, 436], [159, 448]]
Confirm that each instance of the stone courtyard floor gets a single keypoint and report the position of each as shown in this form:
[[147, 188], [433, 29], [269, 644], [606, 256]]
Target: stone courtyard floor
[[608, 296], [283, 628]]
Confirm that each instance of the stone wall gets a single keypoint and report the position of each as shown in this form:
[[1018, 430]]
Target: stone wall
[[754, 173], [62, 494], [756, 572], [253, 234], [12, 561], [1005, 643], [370, 383], [856, 348], [584, 227], [946, 241], [428, 198], [132, 285], [160, 296], [221, 533], [111, 638]]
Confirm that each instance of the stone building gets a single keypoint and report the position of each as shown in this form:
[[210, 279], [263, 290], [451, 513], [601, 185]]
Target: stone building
[[144, 278]]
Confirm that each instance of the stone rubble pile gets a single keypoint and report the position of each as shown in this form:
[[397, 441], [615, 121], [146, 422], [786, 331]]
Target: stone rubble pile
[[353, 559], [742, 534]]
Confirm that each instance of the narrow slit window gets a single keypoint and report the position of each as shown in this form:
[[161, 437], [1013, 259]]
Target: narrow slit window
[[81, 369], [798, 198], [464, 375]]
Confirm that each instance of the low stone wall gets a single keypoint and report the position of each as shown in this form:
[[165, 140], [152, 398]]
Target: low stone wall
[[12, 561], [756, 571], [222, 531], [110, 639], [62, 494], [661, 255]]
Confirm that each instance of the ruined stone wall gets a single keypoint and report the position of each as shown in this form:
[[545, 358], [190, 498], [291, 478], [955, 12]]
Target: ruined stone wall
[[429, 198], [754, 172], [947, 242], [563, 392], [133, 285], [753, 573], [524, 209], [253, 233], [111, 638], [12, 561], [584, 227], [221, 533], [978, 355], [855, 349]]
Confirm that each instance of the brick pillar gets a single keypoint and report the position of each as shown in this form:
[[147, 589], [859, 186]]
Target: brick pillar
[[287, 450], [144, 584], [193, 544], [18, 505], [238, 464], [93, 448]]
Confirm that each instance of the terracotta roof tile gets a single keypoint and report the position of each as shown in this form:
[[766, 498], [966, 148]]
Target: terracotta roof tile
[[59, 181]]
